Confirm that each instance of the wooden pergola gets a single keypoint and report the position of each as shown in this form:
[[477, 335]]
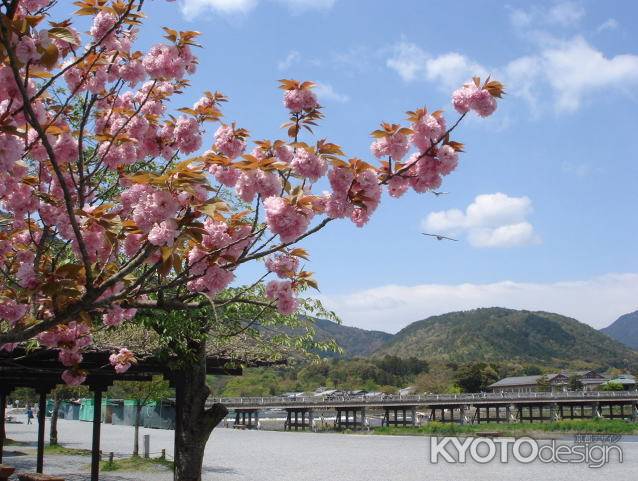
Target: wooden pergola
[[41, 370]]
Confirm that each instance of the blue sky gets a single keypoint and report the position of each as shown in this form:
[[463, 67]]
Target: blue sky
[[543, 202]]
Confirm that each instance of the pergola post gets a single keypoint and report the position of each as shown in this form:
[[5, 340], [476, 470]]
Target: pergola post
[[42, 409], [97, 389], [3, 406]]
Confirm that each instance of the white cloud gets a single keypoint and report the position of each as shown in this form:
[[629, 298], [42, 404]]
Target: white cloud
[[292, 58], [562, 14], [452, 69], [571, 70], [492, 220], [597, 301], [327, 93], [574, 69], [520, 18], [449, 69], [303, 5], [565, 13], [580, 169], [609, 24], [408, 60], [192, 8]]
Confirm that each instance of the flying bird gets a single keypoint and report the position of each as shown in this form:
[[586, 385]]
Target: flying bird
[[439, 193], [440, 237]]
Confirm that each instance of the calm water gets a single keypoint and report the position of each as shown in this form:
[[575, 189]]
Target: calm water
[[233, 455]]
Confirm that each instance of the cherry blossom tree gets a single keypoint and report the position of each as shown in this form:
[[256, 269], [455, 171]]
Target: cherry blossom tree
[[116, 198], [119, 204]]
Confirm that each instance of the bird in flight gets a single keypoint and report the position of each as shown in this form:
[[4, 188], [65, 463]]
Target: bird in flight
[[440, 237], [439, 193]]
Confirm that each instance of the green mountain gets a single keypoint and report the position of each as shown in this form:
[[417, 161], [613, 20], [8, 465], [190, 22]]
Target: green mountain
[[498, 334], [355, 342], [624, 329]]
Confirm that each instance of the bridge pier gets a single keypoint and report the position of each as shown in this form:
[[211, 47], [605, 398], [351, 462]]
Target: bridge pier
[[487, 413], [462, 415], [531, 412], [595, 410], [573, 410], [347, 418], [246, 418], [403, 420], [621, 408], [512, 414], [296, 418]]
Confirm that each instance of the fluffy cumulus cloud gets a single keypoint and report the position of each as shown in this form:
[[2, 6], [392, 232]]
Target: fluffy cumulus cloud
[[574, 69], [492, 220], [449, 70], [327, 93], [609, 24], [292, 58], [562, 14], [302, 5], [193, 8], [597, 301], [571, 70]]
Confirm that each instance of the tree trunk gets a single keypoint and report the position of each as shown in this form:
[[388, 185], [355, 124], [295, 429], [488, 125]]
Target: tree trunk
[[136, 440], [193, 422], [53, 432]]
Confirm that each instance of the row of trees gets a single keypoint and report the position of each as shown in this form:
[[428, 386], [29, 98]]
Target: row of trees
[[386, 374]]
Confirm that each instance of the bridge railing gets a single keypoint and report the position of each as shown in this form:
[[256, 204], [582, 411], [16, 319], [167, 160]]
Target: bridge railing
[[332, 400]]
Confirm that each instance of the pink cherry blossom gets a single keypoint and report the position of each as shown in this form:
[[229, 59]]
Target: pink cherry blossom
[[395, 145], [309, 165], [228, 143], [461, 98], [164, 233], [122, 361], [285, 219], [73, 377], [398, 185], [116, 315], [26, 50], [281, 292], [34, 5], [225, 175], [483, 103], [298, 99], [426, 131], [69, 357], [187, 136], [449, 159], [284, 265], [11, 311], [164, 62], [284, 153], [9, 346], [102, 23]]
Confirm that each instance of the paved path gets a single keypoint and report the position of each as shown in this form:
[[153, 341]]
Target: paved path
[[234, 455]]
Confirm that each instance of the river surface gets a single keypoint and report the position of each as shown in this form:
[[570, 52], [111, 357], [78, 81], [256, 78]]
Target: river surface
[[235, 455]]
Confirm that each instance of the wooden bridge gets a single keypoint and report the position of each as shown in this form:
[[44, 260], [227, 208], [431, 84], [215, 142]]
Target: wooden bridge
[[461, 408]]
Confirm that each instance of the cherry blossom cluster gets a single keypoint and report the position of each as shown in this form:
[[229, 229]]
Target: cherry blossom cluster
[[122, 361], [70, 339]]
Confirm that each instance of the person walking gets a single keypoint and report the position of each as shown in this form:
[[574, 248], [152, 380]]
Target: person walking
[[29, 415]]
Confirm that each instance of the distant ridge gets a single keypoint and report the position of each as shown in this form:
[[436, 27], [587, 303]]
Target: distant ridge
[[498, 334], [624, 329], [354, 341]]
